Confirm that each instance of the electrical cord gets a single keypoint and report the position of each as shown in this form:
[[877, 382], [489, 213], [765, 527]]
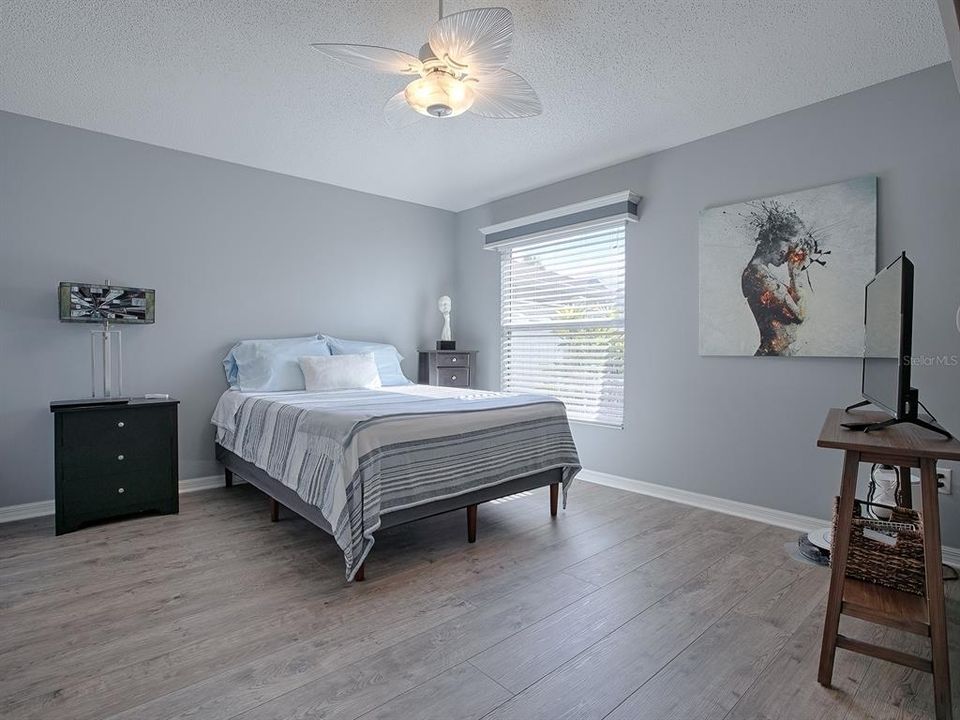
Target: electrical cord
[[927, 411]]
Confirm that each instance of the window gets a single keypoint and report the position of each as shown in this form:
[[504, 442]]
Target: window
[[562, 319]]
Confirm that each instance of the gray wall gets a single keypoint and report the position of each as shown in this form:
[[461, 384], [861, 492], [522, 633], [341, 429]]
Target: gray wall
[[233, 253], [745, 428], [236, 252]]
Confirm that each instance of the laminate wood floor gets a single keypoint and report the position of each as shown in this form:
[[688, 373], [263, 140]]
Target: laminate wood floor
[[623, 607]]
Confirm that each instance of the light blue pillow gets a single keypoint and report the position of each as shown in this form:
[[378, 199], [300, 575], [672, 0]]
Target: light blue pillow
[[387, 357], [230, 367], [270, 365]]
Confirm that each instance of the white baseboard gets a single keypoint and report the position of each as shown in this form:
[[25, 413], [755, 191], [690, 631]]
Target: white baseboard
[[26, 511], [779, 518], [46, 507], [204, 483]]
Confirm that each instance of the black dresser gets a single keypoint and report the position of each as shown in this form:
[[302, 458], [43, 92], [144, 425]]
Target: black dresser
[[113, 460], [447, 368]]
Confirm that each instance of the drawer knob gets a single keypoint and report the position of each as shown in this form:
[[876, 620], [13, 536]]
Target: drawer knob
[[453, 377], [120, 490], [120, 424], [119, 457], [453, 359]]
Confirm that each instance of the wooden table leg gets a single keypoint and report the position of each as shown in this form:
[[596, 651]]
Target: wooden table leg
[[554, 498], [838, 566], [471, 523], [274, 510], [360, 574], [906, 488], [936, 604]]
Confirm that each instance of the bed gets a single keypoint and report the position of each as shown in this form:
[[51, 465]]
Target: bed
[[354, 461]]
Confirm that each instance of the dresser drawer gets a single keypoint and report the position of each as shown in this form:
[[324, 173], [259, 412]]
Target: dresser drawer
[[453, 360], [116, 459], [453, 377], [112, 441], [112, 494], [135, 428]]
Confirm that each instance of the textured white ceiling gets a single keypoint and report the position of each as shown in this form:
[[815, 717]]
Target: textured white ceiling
[[237, 80]]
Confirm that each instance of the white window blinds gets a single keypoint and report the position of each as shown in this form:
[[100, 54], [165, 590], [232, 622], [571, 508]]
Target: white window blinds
[[562, 320]]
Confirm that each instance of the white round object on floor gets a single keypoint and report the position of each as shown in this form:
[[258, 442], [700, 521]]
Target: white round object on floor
[[820, 538]]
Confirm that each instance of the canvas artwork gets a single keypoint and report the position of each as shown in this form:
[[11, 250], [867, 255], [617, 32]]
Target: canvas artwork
[[785, 275]]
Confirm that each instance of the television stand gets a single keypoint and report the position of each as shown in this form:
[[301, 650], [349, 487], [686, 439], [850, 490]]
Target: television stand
[[867, 426], [911, 418]]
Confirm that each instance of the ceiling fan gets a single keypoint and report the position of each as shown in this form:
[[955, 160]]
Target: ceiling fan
[[459, 69]]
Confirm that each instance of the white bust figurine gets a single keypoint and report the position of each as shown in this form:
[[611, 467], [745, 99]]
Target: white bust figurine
[[445, 305]]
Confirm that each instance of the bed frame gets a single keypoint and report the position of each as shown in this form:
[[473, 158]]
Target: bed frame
[[280, 494]]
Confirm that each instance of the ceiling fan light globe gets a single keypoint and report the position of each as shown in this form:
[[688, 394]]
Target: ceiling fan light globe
[[439, 95]]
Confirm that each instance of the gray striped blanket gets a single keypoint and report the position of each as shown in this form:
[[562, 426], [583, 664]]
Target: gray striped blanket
[[357, 454]]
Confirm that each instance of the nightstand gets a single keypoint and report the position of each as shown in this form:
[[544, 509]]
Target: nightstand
[[112, 460], [447, 368]]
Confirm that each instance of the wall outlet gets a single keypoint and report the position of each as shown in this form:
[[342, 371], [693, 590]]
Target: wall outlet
[[944, 479]]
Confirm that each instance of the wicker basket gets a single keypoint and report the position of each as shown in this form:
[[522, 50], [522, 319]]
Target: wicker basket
[[896, 563]]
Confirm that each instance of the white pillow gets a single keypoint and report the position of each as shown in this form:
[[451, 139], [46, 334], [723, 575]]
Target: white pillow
[[340, 372]]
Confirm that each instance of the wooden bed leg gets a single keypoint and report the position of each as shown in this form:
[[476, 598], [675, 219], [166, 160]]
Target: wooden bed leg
[[228, 477], [359, 576], [274, 510], [554, 498], [471, 523]]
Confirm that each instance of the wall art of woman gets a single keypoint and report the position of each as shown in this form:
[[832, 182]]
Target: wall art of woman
[[776, 280]]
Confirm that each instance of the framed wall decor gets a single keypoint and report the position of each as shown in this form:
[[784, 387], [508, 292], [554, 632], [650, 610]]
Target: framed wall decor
[[785, 275]]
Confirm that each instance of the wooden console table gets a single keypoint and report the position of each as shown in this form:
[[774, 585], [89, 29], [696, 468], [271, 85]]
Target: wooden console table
[[905, 446]]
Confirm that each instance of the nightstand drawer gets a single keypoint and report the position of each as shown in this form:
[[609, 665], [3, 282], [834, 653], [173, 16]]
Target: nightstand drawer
[[112, 494], [453, 377], [113, 441], [119, 458], [132, 428], [452, 360]]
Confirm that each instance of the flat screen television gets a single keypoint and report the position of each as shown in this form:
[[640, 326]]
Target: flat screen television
[[86, 303], [888, 329], [888, 347]]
